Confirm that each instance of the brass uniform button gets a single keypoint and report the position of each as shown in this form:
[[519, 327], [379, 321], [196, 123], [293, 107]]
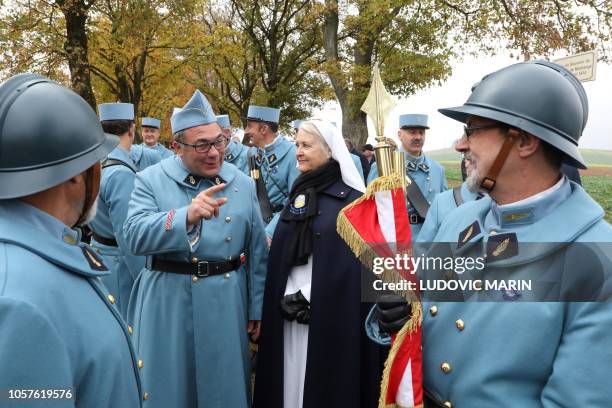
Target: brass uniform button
[[194, 279], [130, 329], [228, 219], [140, 364], [448, 404], [227, 275], [111, 299], [460, 325], [493, 232], [145, 396], [194, 260], [228, 239], [433, 310], [446, 368]]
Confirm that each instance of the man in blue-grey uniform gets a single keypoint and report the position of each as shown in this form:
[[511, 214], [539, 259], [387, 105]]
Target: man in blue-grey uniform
[[151, 131], [274, 159], [116, 185], [425, 173], [197, 220], [143, 157], [235, 152], [63, 342], [522, 123], [448, 200]]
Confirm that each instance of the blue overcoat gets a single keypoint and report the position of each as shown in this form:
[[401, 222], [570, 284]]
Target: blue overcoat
[[509, 352], [61, 328], [144, 158], [192, 332], [116, 185]]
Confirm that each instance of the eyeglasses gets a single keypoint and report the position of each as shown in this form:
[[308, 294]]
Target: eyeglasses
[[469, 131], [204, 147]]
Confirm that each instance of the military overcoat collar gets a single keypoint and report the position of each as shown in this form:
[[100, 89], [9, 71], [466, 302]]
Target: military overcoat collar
[[551, 233], [28, 227]]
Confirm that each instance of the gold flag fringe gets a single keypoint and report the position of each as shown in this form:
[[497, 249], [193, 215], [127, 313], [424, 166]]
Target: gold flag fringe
[[364, 252], [409, 328], [347, 232]]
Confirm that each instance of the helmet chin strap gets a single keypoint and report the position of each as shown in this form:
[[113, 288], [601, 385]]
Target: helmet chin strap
[[92, 188], [488, 183]]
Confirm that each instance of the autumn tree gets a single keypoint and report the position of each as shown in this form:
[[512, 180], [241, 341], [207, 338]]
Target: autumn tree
[[416, 41], [140, 50], [47, 37], [225, 66], [285, 37]]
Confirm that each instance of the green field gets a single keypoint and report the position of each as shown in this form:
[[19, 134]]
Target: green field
[[592, 157], [599, 187]]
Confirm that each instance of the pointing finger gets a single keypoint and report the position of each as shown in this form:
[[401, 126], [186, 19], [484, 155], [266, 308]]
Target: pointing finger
[[212, 190]]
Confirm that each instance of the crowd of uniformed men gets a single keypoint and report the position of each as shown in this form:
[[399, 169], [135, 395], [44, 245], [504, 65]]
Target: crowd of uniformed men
[[160, 308]]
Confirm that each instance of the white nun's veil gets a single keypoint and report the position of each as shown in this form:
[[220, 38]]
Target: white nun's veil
[[340, 153]]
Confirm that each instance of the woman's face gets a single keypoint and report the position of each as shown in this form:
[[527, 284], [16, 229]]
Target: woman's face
[[310, 153]]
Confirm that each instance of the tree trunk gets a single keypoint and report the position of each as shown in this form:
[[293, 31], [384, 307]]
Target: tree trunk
[[124, 93], [139, 73], [354, 124], [76, 49]]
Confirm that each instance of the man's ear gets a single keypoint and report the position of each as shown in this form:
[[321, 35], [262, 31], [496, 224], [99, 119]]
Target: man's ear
[[527, 144]]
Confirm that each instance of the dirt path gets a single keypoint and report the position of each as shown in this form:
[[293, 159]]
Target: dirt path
[[597, 171]]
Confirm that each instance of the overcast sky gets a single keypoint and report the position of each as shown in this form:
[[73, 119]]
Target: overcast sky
[[455, 91]]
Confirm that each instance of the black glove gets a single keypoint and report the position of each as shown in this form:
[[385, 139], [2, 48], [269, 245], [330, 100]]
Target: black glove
[[295, 307], [392, 312]]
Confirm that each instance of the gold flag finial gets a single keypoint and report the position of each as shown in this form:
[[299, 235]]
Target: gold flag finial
[[377, 106], [379, 103]]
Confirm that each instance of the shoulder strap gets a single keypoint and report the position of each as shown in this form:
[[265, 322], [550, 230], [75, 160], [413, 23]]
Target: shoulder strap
[[115, 162], [416, 198], [262, 195], [457, 195]]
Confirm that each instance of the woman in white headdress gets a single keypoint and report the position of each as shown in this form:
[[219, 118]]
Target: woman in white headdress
[[313, 351]]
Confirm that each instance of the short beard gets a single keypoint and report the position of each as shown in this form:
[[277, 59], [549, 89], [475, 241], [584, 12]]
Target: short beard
[[472, 181]]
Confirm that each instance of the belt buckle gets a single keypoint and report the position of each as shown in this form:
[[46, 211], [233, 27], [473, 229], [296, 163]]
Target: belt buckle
[[199, 272], [414, 218]]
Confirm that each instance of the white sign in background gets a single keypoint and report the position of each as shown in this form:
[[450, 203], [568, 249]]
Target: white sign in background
[[583, 65]]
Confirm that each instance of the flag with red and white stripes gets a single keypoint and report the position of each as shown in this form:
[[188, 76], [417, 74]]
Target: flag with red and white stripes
[[376, 225]]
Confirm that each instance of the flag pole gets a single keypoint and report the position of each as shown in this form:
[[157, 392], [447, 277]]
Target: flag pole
[[378, 105]]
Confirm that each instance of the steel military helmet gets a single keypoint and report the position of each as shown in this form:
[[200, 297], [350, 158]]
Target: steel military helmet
[[48, 134], [539, 97]]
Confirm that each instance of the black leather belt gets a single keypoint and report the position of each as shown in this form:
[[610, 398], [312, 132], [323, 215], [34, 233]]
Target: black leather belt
[[201, 269], [104, 241], [415, 219]]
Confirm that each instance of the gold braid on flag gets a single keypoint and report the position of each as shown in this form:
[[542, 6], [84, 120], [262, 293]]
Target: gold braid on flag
[[410, 327], [391, 170], [347, 232]]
